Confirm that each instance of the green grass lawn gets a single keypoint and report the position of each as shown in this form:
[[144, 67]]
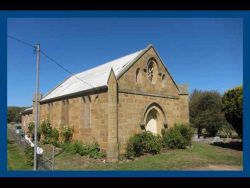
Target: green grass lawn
[[199, 155], [16, 158]]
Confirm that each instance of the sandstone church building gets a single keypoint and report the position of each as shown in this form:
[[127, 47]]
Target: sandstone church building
[[113, 101]]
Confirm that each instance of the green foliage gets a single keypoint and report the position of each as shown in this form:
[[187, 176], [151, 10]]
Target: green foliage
[[174, 140], [232, 102], [29, 154], [143, 143], [54, 136], [14, 114], [51, 135], [46, 129], [16, 157], [91, 150], [214, 124], [205, 111], [67, 133], [186, 131], [213, 129], [69, 147], [31, 127], [226, 130], [177, 137], [31, 131]]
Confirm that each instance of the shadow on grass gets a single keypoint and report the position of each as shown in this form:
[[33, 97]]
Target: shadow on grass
[[231, 145]]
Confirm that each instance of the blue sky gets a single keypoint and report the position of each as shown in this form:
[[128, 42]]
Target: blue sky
[[205, 53]]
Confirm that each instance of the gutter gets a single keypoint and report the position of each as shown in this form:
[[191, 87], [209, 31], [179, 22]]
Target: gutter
[[71, 95]]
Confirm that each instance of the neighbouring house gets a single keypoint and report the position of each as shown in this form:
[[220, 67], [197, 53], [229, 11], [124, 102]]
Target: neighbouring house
[[113, 101], [27, 117]]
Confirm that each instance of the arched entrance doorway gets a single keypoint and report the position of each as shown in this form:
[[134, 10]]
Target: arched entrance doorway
[[153, 119]]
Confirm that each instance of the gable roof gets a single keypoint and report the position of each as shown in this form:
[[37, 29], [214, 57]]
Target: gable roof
[[92, 78], [97, 77]]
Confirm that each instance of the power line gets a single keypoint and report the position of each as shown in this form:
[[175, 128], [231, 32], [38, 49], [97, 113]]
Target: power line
[[21, 41], [54, 61], [51, 59]]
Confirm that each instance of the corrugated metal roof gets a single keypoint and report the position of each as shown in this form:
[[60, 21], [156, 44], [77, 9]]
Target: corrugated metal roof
[[27, 110], [95, 77]]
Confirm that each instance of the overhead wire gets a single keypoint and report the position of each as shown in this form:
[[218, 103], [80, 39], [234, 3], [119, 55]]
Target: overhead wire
[[21, 41], [50, 58], [65, 69]]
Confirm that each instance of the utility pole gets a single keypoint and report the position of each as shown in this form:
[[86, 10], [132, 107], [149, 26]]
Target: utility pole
[[36, 113]]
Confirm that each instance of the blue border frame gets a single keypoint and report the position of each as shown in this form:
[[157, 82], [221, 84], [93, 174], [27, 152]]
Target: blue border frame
[[4, 15]]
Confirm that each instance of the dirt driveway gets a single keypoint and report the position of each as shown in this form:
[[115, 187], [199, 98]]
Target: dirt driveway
[[219, 167]]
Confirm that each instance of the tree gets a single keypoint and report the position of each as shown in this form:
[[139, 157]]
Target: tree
[[205, 111], [14, 114], [232, 102]]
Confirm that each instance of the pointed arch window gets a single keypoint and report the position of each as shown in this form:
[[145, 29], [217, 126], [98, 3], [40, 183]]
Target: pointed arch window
[[138, 76], [164, 80]]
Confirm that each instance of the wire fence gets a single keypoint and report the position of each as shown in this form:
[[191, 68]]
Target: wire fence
[[17, 138], [46, 161]]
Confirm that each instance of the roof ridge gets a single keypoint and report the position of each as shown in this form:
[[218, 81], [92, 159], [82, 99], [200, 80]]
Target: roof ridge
[[101, 67], [109, 62]]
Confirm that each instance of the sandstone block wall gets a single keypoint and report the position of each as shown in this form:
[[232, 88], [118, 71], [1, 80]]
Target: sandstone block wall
[[96, 130], [130, 113], [26, 119], [134, 95], [112, 117]]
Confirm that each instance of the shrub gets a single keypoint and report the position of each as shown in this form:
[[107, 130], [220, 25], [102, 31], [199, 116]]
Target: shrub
[[51, 135], [94, 151], [46, 130], [226, 130], [177, 137], [67, 133], [31, 127], [31, 130], [173, 139], [212, 130], [54, 136], [186, 131], [91, 150], [232, 101], [143, 143], [69, 147]]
